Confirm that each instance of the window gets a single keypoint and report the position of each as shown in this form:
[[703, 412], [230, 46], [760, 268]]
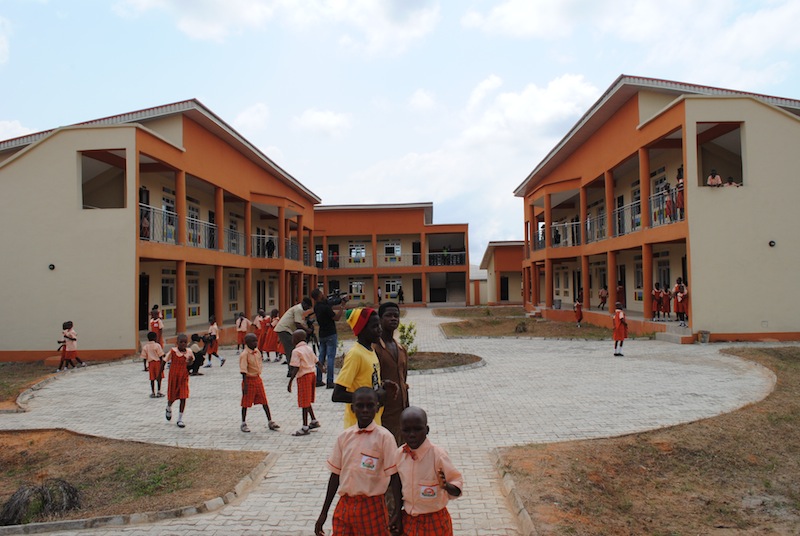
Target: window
[[233, 290], [193, 224], [719, 148], [391, 287], [167, 287], [392, 249], [358, 253], [192, 288], [638, 275], [170, 217], [357, 289], [103, 183]]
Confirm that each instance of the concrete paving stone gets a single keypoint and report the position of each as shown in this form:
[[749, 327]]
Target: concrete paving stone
[[529, 391]]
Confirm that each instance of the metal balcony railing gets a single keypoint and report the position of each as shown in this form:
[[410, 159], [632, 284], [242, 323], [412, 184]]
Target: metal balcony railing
[[663, 208], [627, 219], [448, 258], [234, 242], [264, 246], [538, 239], [292, 250], [596, 228], [201, 234], [566, 234], [157, 224]]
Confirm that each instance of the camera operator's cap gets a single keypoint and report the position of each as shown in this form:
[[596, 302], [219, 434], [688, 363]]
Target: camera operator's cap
[[357, 318]]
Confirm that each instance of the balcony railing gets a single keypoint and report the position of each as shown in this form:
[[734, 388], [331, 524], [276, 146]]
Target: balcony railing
[[448, 258], [201, 234], [306, 257], [663, 208], [292, 250], [264, 246], [234, 242], [357, 261], [538, 239], [409, 259], [157, 224], [566, 234], [627, 219], [596, 228]]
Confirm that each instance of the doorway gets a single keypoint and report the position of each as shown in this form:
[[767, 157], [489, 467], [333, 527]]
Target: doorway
[[144, 301], [416, 285], [211, 298], [503, 288]]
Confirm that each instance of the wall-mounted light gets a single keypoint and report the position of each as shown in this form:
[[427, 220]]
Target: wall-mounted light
[[52, 266], [772, 243]]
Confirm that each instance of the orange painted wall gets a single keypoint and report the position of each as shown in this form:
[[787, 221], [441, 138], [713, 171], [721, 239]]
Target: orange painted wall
[[508, 258], [379, 221]]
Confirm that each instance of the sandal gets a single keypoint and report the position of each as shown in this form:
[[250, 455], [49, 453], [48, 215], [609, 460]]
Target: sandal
[[244, 427], [314, 424], [152, 395], [169, 414], [181, 425], [159, 395], [301, 432], [272, 425]]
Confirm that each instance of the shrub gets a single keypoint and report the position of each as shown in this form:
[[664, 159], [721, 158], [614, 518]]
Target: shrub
[[408, 332]]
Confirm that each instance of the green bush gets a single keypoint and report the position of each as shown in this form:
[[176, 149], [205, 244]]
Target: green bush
[[408, 332]]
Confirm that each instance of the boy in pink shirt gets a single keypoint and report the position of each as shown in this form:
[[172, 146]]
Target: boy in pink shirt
[[363, 465], [153, 355], [429, 479], [303, 365]]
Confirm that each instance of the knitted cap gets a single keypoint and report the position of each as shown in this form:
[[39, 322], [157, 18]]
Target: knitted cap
[[357, 318]]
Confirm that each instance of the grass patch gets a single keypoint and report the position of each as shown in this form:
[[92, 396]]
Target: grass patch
[[119, 477], [533, 327], [16, 377], [737, 472], [480, 312], [432, 360]]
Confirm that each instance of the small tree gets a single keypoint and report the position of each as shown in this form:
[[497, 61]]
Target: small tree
[[408, 332]]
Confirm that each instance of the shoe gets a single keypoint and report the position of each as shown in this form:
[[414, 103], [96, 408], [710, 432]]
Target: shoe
[[159, 395], [199, 374], [59, 370], [152, 395], [301, 432], [272, 425], [620, 354], [207, 365], [222, 362], [329, 386], [168, 414], [314, 424], [181, 425], [320, 384], [83, 364], [244, 427]]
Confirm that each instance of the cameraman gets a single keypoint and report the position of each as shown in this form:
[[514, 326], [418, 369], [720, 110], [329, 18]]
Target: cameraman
[[328, 338]]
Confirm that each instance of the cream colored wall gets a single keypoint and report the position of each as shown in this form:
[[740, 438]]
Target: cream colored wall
[[169, 128], [514, 286], [484, 293], [651, 102], [94, 251], [491, 278], [738, 282]]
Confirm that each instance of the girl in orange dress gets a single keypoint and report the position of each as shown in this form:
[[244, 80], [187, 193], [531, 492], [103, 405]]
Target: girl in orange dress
[[178, 386], [273, 344], [620, 329]]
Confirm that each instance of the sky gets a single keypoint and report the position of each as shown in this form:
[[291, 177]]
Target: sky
[[453, 102]]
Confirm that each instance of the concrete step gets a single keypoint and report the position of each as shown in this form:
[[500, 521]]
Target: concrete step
[[676, 338]]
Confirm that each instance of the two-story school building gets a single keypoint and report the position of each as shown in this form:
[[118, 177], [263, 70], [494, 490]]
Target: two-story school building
[[166, 206], [502, 260], [622, 201], [359, 249]]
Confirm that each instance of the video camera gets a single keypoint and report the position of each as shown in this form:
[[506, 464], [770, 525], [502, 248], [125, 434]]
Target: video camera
[[336, 297]]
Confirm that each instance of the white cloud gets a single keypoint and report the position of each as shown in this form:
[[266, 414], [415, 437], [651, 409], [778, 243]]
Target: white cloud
[[325, 122], [252, 119], [367, 26], [526, 18], [5, 33], [482, 90], [421, 101], [13, 129]]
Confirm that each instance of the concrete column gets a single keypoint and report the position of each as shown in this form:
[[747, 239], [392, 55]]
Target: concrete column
[[282, 241], [424, 288], [548, 222], [374, 242], [583, 214], [587, 292], [219, 208], [548, 283], [608, 182], [248, 292], [644, 189], [647, 272], [248, 231], [536, 298], [325, 257], [611, 275], [219, 284], [181, 307], [300, 238], [283, 300], [180, 206]]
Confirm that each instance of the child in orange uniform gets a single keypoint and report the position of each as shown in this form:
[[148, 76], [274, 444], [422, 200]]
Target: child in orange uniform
[[578, 308], [259, 325], [178, 384], [153, 354], [242, 327], [363, 465], [620, 329], [271, 341], [429, 479], [252, 386], [304, 366], [71, 344], [213, 345]]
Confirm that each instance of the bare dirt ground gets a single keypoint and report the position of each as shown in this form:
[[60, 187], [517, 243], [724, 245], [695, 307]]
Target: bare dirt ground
[[119, 477], [16, 377], [494, 326], [735, 474]]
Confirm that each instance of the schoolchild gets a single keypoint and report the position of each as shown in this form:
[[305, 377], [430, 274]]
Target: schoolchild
[[213, 344], [620, 325], [70, 338], [242, 327], [153, 354], [656, 306], [178, 384], [199, 353], [303, 366], [252, 386]]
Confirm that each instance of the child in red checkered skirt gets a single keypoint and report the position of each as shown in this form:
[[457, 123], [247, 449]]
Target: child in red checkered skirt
[[252, 387], [303, 365]]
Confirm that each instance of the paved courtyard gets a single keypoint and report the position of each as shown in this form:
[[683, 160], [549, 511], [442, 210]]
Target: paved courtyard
[[530, 391]]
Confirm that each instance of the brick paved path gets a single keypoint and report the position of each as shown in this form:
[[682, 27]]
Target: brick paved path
[[529, 391]]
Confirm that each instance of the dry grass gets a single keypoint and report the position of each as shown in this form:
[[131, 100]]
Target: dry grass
[[738, 473], [119, 477], [16, 377], [480, 312], [493, 326], [431, 360]]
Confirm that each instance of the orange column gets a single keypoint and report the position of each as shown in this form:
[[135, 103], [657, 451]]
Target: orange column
[[647, 280], [281, 236], [424, 288], [423, 252], [608, 182], [180, 296], [466, 261], [611, 275], [300, 240], [219, 310], [548, 221], [526, 276], [587, 292], [248, 292], [528, 224], [180, 206], [312, 253], [219, 207], [548, 283], [325, 256], [536, 298], [583, 214], [644, 189], [374, 252], [248, 230], [282, 299]]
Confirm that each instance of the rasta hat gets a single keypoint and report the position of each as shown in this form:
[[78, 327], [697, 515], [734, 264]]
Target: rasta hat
[[357, 318]]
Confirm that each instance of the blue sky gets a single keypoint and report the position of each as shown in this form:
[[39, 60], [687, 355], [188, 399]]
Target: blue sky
[[453, 102]]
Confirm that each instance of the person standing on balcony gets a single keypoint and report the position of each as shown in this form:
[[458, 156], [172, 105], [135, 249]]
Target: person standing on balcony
[[328, 336], [714, 180], [270, 247], [679, 203]]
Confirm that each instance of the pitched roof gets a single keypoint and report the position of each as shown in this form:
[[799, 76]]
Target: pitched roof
[[623, 88], [193, 109]]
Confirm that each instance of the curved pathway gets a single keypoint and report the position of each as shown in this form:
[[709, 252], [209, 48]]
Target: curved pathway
[[530, 391]]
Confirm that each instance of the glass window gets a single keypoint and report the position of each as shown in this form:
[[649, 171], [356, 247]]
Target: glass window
[[167, 291], [392, 249], [358, 252]]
